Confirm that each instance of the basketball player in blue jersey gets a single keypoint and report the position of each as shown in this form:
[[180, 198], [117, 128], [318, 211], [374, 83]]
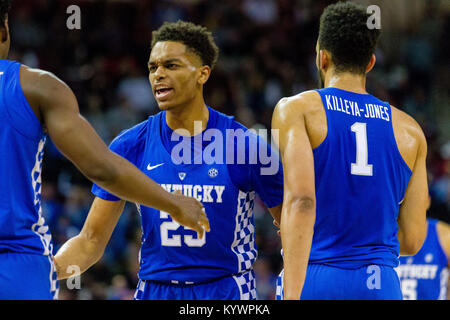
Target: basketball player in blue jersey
[[425, 275], [355, 177], [175, 262], [34, 103]]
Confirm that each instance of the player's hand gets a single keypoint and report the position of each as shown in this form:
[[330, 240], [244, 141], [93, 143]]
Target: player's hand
[[190, 213]]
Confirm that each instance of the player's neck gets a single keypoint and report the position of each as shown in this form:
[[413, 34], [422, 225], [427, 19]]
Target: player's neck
[[3, 54], [187, 117], [346, 81]]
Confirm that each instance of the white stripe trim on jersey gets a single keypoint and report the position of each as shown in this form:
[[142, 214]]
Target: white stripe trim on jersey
[[40, 227], [140, 289], [244, 230], [54, 288], [247, 285], [239, 287], [444, 283], [280, 286], [138, 206]]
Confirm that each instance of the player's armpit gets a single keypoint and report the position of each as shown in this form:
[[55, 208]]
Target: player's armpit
[[87, 248]]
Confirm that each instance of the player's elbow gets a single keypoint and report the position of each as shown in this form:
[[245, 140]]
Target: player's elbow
[[299, 212], [411, 235], [410, 247], [302, 203], [410, 244], [94, 245]]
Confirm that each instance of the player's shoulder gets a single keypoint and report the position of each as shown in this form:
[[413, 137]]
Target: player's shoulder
[[131, 136], [222, 119], [443, 228], [228, 122], [35, 76], [42, 86], [405, 119], [408, 125], [6, 65], [36, 71], [300, 100], [289, 108]]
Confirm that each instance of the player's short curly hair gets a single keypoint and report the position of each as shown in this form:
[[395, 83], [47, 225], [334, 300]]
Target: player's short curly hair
[[5, 6], [344, 33], [196, 38]]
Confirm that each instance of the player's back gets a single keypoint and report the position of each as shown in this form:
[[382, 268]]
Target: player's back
[[22, 227], [360, 179]]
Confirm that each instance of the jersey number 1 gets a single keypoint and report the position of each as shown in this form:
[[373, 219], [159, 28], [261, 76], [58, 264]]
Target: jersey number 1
[[361, 167]]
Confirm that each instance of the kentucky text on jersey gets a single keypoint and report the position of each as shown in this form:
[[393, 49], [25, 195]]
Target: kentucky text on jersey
[[202, 193], [417, 271], [350, 107]]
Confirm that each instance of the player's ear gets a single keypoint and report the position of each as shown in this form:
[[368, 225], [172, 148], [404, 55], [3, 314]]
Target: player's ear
[[324, 59], [4, 31], [204, 73], [372, 61]]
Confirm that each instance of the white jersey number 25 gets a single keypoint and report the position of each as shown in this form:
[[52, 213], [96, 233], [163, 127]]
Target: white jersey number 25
[[174, 240]]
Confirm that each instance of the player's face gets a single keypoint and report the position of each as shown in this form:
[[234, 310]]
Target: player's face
[[174, 74]]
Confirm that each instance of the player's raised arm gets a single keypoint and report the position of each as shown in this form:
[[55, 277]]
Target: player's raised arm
[[299, 204], [411, 219], [56, 106]]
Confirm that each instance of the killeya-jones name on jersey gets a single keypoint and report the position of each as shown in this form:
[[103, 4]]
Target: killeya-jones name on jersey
[[203, 193], [417, 271], [350, 107]]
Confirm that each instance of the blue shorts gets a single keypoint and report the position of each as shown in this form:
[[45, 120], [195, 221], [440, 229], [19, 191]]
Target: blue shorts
[[237, 287], [27, 277], [372, 282]]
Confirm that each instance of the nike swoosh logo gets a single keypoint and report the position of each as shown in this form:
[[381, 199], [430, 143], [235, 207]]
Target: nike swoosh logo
[[149, 167]]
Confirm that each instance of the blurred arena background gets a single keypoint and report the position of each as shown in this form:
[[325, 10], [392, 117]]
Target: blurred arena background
[[267, 51]]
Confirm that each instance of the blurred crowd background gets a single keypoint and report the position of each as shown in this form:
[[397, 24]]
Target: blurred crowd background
[[267, 51]]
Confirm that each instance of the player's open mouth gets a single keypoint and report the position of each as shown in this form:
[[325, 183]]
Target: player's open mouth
[[163, 93]]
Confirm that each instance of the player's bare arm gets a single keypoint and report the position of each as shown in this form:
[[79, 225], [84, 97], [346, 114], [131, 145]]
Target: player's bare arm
[[443, 230], [88, 246], [411, 219], [298, 212], [56, 106]]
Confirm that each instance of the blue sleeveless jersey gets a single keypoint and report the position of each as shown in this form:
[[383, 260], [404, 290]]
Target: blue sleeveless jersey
[[171, 253], [424, 276], [360, 180], [22, 227]]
